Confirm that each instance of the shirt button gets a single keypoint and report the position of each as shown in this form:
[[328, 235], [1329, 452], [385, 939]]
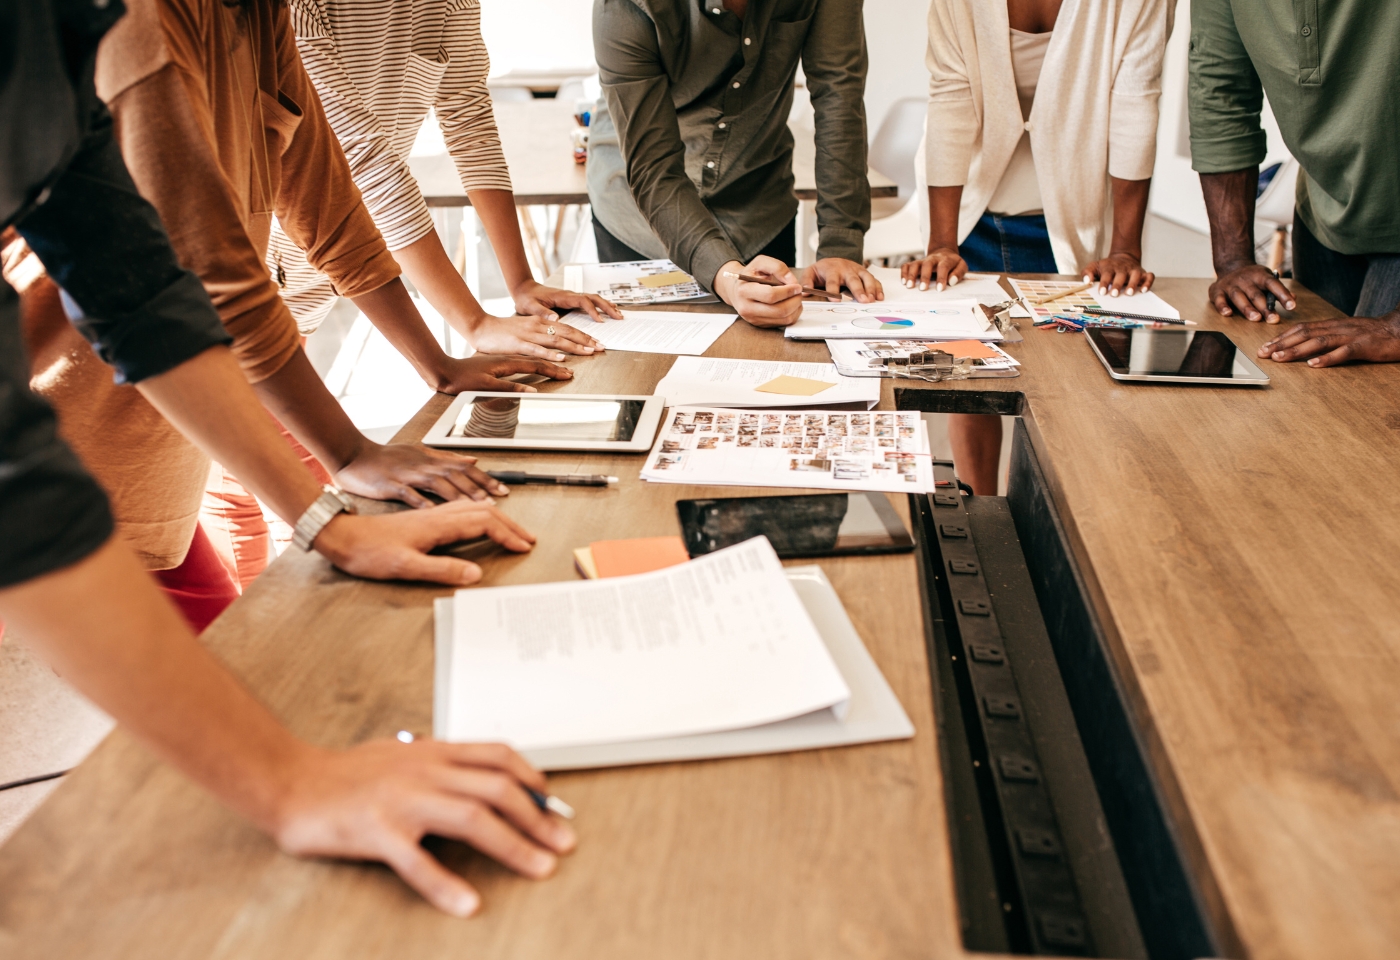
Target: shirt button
[[747, 41], [1027, 124], [1307, 30], [711, 164], [722, 124], [736, 84], [716, 11]]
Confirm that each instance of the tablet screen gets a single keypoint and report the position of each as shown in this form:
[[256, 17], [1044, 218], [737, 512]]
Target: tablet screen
[[816, 525], [533, 417], [1173, 353]]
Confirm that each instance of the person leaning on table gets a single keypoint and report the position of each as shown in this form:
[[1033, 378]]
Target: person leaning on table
[[75, 590], [1332, 76], [690, 155], [1041, 138]]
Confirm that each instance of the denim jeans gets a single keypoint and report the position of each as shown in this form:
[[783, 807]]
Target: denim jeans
[[1000, 244], [1361, 284]]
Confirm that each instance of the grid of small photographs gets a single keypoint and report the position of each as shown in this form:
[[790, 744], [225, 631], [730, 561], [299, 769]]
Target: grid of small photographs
[[849, 447]]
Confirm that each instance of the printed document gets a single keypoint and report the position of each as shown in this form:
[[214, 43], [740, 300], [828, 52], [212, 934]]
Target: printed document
[[949, 320], [634, 282], [655, 331], [712, 382], [826, 449], [720, 643], [1148, 304], [866, 358]]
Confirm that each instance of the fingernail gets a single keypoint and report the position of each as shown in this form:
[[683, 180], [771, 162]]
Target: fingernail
[[922, 285], [1103, 290], [1113, 293], [585, 350], [1131, 291], [954, 281], [564, 837], [542, 864], [464, 904], [530, 389], [1086, 279], [940, 288], [1313, 362], [502, 490]]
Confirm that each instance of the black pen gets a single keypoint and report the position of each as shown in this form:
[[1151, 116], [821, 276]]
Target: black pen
[[1105, 312], [562, 479]]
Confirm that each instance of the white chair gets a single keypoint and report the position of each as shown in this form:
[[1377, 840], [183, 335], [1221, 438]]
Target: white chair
[[895, 229], [1275, 208]]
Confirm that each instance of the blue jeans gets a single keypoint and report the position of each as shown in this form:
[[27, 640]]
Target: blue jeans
[[1361, 285], [1009, 245]]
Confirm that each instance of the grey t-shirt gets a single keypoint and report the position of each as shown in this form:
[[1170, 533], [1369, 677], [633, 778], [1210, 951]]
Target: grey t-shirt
[[690, 156]]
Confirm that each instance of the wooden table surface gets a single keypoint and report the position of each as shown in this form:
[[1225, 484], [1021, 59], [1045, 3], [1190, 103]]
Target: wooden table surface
[[1240, 547], [539, 153]]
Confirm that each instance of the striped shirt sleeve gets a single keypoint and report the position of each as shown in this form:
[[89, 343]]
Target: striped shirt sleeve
[[464, 103]]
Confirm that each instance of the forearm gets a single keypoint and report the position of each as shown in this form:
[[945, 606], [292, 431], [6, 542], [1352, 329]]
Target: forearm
[[296, 396], [496, 208], [1230, 207], [391, 310], [209, 401], [427, 265], [943, 206], [1129, 213], [126, 648]]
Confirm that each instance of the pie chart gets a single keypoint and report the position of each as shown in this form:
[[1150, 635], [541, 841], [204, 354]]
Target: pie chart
[[882, 323]]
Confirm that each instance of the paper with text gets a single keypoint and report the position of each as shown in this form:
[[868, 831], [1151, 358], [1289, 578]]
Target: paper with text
[[655, 331], [716, 382], [633, 282], [719, 643]]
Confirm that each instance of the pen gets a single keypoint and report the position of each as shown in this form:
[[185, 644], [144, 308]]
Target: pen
[[1101, 312], [546, 802], [770, 282], [561, 479], [1063, 293]]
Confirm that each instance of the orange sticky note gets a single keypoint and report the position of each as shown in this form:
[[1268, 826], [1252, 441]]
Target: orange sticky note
[[794, 386], [618, 558], [965, 349]]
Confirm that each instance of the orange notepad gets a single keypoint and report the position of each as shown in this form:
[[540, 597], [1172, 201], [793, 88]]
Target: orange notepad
[[963, 349], [618, 558]]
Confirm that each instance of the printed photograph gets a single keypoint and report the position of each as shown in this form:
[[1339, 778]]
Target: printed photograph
[[748, 419], [668, 462], [707, 443], [836, 425], [767, 441], [671, 446], [792, 425], [809, 465], [792, 443], [746, 440], [850, 470], [704, 417]]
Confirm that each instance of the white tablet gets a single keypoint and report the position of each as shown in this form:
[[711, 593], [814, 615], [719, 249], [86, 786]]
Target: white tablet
[[549, 421]]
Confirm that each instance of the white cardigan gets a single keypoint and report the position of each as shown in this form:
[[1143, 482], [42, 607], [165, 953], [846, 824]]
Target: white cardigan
[[1095, 111]]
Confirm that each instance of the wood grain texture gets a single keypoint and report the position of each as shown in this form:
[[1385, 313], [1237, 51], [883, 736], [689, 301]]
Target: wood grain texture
[[1240, 548], [539, 153]]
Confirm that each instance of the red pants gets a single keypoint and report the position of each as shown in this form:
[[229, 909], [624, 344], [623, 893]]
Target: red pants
[[201, 587]]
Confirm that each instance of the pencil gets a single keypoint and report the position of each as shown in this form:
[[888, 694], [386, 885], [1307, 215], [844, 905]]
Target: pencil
[[770, 282], [1063, 293], [1104, 312]]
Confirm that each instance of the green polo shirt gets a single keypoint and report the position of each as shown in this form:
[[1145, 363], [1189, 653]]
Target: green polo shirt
[[1331, 69]]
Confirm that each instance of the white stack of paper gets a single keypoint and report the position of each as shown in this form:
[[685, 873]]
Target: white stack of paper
[[713, 382], [826, 449], [867, 358], [949, 320], [982, 287], [655, 331], [634, 282], [720, 643]]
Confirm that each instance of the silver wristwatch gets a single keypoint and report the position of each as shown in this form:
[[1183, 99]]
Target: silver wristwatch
[[323, 511]]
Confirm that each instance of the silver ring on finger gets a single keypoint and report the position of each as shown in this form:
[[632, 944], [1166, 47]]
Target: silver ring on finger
[[549, 330]]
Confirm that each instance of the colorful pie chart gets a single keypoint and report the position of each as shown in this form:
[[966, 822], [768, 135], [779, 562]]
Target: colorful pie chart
[[882, 323]]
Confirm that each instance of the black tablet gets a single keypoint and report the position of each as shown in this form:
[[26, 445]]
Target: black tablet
[[816, 525], [1174, 356]]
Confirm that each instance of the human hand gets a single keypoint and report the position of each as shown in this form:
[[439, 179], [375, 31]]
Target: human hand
[[484, 371], [377, 801], [943, 267], [1326, 343], [833, 273], [398, 471], [1243, 290], [394, 546], [1119, 273], [534, 299], [549, 339], [758, 303]]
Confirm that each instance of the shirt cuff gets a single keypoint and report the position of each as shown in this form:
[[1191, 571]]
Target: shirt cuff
[[951, 132], [709, 257], [1132, 137], [52, 515], [843, 242], [1228, 154]]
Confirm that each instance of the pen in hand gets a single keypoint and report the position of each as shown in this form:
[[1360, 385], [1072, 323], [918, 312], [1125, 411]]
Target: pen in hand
[[770, 282], [560, 479]]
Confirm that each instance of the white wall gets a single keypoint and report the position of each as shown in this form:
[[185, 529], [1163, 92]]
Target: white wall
[[550, 34]]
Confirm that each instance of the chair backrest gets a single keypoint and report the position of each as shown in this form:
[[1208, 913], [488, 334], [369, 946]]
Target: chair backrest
[[897, 140]]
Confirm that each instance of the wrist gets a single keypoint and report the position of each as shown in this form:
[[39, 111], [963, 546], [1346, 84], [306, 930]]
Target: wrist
[[1129, 252], [722, 285], [335, 540], [941, 246], [276, 811], [522, 285], [1230, 264]]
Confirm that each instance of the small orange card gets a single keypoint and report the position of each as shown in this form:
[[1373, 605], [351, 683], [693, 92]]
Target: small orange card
[[618, 558], [960, 349]]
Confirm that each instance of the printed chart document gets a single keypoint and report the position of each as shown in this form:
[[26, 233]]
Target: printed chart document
[[719, 643], [634, 282], [949, 320], [712, 382], [866, 358], [655, 331], [982, 287], [1148, 304], [775, 448]]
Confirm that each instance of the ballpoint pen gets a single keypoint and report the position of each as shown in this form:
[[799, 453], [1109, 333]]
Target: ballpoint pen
[[561, 479], [770, 282], [1105, 312]]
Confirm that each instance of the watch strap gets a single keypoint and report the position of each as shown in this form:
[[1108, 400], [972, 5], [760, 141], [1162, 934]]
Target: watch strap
[[321, 512]]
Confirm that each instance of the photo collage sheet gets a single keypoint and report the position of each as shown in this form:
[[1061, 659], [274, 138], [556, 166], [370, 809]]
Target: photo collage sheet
[[810, 448]]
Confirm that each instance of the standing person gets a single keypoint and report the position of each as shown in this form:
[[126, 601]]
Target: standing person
[[690, 155], [75, 589], [1042, 135], [1332, 77], [222, 130], [379, 67]]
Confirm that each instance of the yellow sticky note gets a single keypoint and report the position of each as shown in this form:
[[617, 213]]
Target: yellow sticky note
[[794, 386], [666, 279]]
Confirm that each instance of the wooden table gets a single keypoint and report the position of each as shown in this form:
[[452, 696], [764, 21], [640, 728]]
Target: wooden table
[[535, 136], [1238, 546]]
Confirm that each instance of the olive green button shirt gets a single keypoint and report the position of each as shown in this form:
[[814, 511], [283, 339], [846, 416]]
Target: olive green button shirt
[[1332, 74], [691, 157]]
